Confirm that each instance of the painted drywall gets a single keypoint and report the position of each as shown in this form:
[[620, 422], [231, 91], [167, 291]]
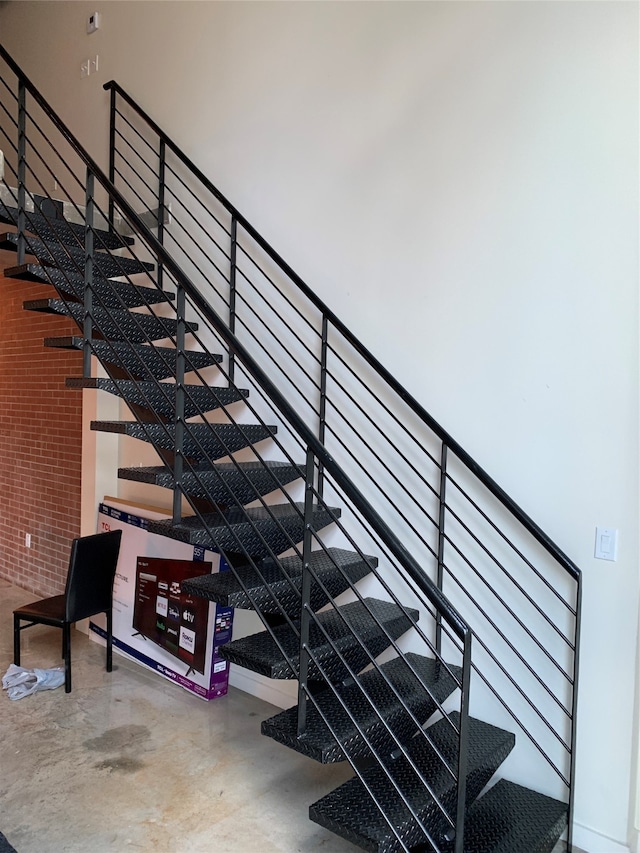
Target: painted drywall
[[459, 182]]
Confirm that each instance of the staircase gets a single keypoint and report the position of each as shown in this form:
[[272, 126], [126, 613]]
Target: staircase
[[397, 585]]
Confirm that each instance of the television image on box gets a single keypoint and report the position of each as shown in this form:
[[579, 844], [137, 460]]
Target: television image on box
[[169, 617]]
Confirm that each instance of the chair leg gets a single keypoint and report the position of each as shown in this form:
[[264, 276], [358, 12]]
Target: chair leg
[[66, 644], [16, 640], [109, 640]]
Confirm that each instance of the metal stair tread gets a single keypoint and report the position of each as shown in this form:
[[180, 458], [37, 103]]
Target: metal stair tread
[[510, 818], [408, 678], [350, 810], [73, 257], [138, 360], [108, 293], [201, 440], [275, 585], [357, 642], [63, 229], [115, 324], [160, 397], [257, 531], [224, 482]]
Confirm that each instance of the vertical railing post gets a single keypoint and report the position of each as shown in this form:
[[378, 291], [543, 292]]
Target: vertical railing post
[[232, 293], [22, 170], [112, 153], [178, 463], [322, 412], [463, 745], [305, 598], [161, 189], [441, 540], [574, 707], [87, 329]]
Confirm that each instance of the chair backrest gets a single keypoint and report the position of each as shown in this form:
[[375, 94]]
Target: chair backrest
[[92, 568]]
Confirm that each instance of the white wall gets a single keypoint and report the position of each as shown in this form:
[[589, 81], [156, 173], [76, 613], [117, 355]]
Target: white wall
[[459, 182]]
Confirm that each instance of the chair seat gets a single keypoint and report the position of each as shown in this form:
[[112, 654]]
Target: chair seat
[[49, 611]]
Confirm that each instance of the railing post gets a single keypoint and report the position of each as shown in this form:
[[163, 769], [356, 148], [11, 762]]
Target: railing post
[[463, 745], [22, 170], [161, 188], [178, 462], [441, 540], [112, 151], [574, 706], [87, 329], [322, 413], [305, 611], [232, 293]]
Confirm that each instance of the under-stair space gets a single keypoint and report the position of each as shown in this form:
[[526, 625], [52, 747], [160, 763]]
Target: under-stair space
[[431, 628]]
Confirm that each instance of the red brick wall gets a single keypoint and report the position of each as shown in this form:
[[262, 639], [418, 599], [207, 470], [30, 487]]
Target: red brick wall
[[40, 441]]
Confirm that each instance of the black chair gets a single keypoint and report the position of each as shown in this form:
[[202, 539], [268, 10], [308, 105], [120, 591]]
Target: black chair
[[89, 590]]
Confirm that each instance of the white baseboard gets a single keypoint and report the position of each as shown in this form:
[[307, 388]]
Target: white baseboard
[[282, 694], [591, 841]]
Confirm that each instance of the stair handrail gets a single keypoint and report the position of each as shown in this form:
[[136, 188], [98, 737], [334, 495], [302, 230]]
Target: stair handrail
[[490, 484], [415, 571]]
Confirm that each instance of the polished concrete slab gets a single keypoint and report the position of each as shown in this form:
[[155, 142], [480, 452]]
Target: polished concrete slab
[[128, 761]]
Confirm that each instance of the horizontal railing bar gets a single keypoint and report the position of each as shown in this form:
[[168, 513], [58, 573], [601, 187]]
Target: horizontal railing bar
[[133, 150], [561, 558], [522, 726], [516, 583], [507, 674], [197, 199], [525, 560], [398, 421], [136, 131]]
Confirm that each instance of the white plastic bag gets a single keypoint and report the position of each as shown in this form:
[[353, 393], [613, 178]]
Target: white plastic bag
[[20, 682]]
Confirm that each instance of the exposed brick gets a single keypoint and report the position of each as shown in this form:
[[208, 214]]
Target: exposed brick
[[40, 441]]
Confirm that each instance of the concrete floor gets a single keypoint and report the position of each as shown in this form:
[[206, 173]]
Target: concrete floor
[[128, 761]]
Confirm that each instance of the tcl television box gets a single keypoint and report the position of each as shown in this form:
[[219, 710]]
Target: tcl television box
[[155, 622]]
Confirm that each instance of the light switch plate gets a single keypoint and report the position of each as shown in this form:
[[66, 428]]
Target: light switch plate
[[606, 544]]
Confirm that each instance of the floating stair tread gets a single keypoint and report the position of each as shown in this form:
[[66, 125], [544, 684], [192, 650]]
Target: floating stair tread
[[161, 397], [108, 293], [223, 483], [72, 258], [273, 586], [350, 811], [422, 683], [201, 440], [131, 326], [138, 360], [63, 230], [358, 641], [513, 819], [258, 531]]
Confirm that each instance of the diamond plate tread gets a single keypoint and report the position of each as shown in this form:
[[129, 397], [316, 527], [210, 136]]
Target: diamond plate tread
[[161, 397], [71, 258], [350, 811], [108, 293], [513, 819], [224, 483], [200, 439], [357, 642], [420, 682], [257, 531], [63, 230], [114, 325], [137, 359], [275, 585]]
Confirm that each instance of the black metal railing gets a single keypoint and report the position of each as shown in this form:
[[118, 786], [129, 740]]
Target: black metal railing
[[435, 520]]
